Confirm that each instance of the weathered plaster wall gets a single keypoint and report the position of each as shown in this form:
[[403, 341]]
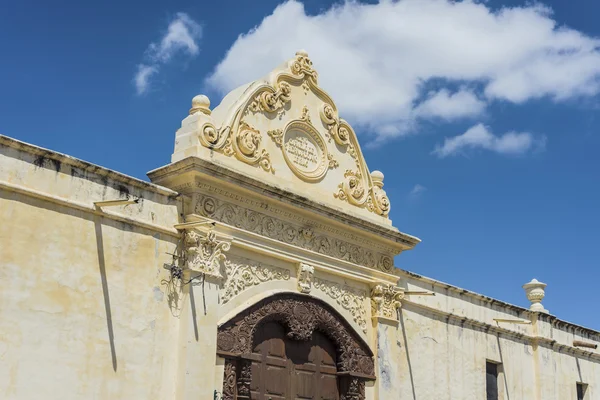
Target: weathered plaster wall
[[440, 348], [83, 313]]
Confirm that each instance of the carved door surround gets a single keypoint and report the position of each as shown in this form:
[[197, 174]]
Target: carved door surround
[[300, 315]]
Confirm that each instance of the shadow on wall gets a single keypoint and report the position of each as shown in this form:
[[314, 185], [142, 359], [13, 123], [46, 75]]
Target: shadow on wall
[[102, 268], [410, 370], [502, 365]]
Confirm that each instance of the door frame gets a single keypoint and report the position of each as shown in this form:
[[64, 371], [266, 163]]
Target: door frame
[[300, 315]]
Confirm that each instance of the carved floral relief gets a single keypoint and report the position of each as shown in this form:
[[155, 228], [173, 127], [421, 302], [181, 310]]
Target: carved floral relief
[[352, 300], [243, 274]]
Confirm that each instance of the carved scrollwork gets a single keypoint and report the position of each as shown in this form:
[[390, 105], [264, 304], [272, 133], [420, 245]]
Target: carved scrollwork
[[385, 301], [277, 136], [303, 66], [271, 99], [245, 145], [205, 253], [229, 380], [301, 316], [333, 163], [242, 274], [338, 130], [210, 135], [349, 298], [285, 232], [352, 190]]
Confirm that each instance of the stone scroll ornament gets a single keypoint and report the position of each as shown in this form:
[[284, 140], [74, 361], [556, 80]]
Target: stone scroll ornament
[[385, 301], [301, 316], [205, 253]]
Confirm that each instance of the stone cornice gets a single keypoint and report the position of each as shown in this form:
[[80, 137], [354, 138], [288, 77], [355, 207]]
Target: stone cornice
[[487, 327], [84, 165], [556, 322], [210, 171]]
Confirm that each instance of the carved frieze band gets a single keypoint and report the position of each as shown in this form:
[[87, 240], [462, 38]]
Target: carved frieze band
[[352, 300], [244, 273], [285, 232]]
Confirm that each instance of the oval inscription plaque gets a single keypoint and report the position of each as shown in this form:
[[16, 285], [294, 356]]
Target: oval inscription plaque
[[304, 151]]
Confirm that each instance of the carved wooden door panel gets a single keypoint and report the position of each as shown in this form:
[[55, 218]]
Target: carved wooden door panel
[[283, 368]]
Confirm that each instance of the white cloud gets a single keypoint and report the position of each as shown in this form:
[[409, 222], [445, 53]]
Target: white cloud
[[449, 106], [376, 60], [181, 37], [142, 77], [479, 136], [417, 190]]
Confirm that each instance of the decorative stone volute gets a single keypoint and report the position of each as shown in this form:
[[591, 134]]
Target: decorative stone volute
[[385, 301], [205, 253], [535, 291]]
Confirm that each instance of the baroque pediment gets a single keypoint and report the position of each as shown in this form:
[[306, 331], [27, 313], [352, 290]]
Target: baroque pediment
[[286, 131]]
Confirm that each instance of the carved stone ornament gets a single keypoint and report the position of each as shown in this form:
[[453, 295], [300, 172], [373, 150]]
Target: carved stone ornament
[[245, 146], [385, 301], [305, 276], [301, 316], [353, 190], [352, 300], [294, 234], [204, 253], [338, 129], [243, 274], [302, 66], [303, 148], [271, 99]]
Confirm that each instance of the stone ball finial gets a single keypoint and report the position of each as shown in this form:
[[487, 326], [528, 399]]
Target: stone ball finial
[[377, 177], [200, 103], [302, 53], [535, 291]]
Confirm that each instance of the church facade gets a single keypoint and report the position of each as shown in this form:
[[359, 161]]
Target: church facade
[[258, 264]]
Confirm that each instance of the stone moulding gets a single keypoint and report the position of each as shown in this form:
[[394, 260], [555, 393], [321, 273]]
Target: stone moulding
[[403, 240], [351, 299], [304, 237], [244, 273]]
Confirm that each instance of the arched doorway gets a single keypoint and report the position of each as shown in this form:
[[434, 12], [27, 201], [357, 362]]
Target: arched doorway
[[291, 346]]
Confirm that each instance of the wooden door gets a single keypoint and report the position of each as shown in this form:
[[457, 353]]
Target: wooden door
[[283, 368]]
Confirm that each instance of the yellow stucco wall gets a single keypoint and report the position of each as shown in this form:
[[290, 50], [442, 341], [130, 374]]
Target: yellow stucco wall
[[83, 313]]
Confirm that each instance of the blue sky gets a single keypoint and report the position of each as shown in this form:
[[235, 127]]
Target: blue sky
[[483, 116]]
